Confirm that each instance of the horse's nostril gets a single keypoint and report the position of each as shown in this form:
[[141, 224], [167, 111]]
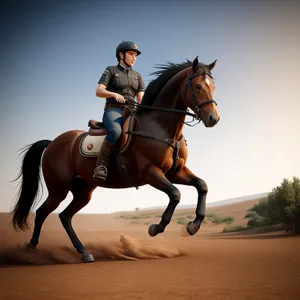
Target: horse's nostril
[[213, 120]]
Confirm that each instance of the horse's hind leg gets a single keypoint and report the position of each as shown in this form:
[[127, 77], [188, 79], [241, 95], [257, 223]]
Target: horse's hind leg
[[44, 210], [82, 194], [186, 177]]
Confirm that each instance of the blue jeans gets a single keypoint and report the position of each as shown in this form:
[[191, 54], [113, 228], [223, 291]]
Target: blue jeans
[[113, 122]]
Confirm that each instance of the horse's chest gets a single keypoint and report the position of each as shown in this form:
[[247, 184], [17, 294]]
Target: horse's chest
[[166, 160]]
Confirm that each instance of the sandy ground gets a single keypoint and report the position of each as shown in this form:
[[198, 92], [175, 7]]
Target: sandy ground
[[131, 265]]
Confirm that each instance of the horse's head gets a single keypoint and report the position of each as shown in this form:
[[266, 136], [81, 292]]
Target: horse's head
[[198, 93]]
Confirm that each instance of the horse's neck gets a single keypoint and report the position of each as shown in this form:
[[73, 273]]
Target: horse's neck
[[169, 98]]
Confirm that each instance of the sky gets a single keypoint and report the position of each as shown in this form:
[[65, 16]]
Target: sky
[[52, 55]]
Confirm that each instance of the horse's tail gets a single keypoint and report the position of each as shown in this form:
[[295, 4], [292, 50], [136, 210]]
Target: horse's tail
[[30, 173]]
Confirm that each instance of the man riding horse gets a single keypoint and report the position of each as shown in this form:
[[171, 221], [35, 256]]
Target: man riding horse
[[117, 84]]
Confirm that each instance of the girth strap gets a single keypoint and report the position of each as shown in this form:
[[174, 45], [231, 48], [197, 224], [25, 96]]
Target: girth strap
[[170, 142], [176, 155], [151, 135]]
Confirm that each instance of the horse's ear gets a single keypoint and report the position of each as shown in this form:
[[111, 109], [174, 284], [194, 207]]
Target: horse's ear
[[212, 65], [195, 64]]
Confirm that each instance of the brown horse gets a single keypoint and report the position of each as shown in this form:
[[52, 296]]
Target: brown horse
[[155, 154]]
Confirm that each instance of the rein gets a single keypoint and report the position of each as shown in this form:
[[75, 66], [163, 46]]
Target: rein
[[132, 105], [137, 105]]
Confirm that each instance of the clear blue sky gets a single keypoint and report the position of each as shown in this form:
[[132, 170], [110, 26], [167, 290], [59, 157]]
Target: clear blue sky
[[53, 53]]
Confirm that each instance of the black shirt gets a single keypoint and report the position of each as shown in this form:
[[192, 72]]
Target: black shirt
[[125, 82]]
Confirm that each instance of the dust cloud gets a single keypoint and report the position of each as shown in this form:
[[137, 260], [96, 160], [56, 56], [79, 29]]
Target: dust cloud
[[127, 248]]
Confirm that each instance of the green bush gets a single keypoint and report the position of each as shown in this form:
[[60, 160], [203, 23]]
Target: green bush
[[234, 228], [281, 206], [219, 220], [228, 220], [181, 221]]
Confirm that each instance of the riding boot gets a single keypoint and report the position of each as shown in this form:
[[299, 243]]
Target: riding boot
[[100, 171]]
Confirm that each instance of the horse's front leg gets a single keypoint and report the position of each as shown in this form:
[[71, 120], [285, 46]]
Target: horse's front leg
[[156, 178], [186, 177]]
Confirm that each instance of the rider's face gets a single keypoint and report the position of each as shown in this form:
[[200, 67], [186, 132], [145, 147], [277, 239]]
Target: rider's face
[[130, 57]]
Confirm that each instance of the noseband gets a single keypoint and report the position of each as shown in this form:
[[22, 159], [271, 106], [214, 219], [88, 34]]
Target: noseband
[[188, 86]]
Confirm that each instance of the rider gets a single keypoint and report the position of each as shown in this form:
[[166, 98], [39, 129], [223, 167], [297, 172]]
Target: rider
[[117, 84]]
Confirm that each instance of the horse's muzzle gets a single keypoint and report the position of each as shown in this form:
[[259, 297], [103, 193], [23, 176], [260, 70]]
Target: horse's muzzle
[[211, 121]]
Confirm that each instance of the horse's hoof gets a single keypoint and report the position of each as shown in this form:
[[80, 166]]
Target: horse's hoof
[[153, 230], [87, 257], [29, 246], [191, 228]]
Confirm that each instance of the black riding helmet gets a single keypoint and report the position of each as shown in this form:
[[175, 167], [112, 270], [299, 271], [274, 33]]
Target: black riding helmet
[[127, 46]]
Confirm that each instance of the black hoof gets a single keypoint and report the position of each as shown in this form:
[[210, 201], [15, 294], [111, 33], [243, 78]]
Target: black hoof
[[191, 228], [153, 230], [29, 246], [87, 257]]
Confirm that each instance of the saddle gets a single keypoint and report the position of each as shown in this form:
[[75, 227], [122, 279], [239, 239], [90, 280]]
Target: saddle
[[96, 128], [92, 140]]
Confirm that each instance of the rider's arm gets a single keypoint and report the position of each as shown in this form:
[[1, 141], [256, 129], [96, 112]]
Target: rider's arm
[[102, 92], [139, 96], [141, 89]]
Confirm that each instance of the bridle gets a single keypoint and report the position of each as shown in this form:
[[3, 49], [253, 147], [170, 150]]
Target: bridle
[[133, 106], [188, 86]]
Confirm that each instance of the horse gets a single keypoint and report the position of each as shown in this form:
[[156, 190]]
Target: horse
[[154, 152]]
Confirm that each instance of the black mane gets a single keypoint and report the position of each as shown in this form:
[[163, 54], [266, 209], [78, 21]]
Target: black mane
[[165, 73]]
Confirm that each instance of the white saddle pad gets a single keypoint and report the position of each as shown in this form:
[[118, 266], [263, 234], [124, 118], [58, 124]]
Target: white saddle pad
[[90, 145]]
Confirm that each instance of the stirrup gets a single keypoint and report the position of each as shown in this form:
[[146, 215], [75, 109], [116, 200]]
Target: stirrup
[[100, 172]]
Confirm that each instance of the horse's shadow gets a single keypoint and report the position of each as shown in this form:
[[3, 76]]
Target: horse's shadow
[[256, 234]]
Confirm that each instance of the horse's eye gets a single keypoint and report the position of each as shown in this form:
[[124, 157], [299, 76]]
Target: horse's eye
[[198, 87]]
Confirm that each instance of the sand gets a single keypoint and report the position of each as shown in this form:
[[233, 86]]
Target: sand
[[132, 265]]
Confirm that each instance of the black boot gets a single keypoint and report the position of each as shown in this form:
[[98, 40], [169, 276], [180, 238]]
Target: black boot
[[100, 171]]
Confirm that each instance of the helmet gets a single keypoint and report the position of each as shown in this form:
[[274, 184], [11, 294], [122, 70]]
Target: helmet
[[127, 46]]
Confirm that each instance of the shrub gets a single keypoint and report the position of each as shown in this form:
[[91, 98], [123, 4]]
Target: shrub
[[181, 221], [282, 205], [228, 220], [218, 220], [234, 228]]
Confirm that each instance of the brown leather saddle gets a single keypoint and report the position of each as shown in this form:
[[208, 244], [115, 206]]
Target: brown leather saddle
[[96, 128]]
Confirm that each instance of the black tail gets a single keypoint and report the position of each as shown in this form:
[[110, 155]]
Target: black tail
[[30, 183]]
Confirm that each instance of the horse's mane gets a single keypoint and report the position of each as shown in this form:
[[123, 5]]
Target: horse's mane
[[165, 73]]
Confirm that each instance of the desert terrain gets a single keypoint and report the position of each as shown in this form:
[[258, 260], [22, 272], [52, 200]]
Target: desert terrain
[[132, 265]]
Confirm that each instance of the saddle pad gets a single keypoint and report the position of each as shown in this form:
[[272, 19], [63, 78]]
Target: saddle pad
[[90, 145]]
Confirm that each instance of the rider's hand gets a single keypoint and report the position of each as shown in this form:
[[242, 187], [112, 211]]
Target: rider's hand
[[119, 98]]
